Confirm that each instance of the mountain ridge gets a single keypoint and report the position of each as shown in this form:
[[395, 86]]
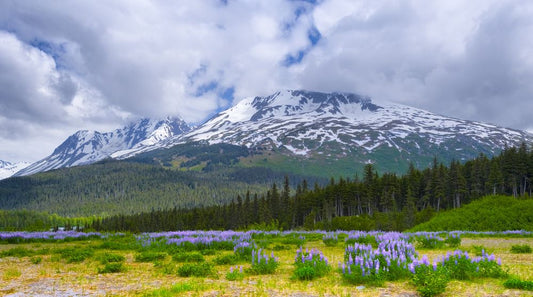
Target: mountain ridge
[[303, 124], [87, 147], [7, 169]]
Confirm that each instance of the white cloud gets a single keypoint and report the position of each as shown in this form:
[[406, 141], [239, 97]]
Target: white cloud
[[92, 64]]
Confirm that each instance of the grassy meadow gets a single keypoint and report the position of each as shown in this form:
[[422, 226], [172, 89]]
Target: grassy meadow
[[186, 264]]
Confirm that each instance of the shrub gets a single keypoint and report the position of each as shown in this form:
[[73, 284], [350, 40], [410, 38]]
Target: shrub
[[310, 264], [235, 274], [356, 274], [229, 259], [389, 261], [461, 267], [262, 263], [361, 238], [478, 250], [516, 283], [243, 250], [295, 239], [111, 258], [430, 241], [150, 256], [330, 239], [430, 280], [112, 268], [453, 240], [188, 257], [521, 249], [488, 266], [75, 254], [196, 269]]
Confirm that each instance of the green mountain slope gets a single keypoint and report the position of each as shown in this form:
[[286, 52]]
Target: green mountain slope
[[492, 213], [184, 176]]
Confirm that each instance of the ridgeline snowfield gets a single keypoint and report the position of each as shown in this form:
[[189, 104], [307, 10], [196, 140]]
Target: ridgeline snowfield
[[260, 263]]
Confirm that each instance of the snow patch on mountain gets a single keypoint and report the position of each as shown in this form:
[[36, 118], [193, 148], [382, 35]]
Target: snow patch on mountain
[[7, 169], [86, 147], [294, 118]]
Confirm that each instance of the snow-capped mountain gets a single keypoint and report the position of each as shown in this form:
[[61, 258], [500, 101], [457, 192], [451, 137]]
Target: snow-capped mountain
[[341, 124], [337, 126], [7, 169], [86, 147]]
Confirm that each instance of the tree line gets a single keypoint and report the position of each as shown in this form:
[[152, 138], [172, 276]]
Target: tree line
[[370, 201]]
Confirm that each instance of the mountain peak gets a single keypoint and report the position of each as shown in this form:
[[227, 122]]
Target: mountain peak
[[86, 147], [295, 102], [307, 122], [7, 169]]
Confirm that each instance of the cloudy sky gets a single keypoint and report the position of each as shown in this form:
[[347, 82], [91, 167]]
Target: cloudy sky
[[71, 65]]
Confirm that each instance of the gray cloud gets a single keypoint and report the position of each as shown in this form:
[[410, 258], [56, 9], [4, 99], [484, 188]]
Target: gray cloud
[[468, 60], [94, 64]]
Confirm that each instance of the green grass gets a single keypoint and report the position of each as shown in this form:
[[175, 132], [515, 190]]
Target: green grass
[[521, 249], [112, 268], [516, 283], [492, 213], [176, 290], [150, 256], [204, 278]]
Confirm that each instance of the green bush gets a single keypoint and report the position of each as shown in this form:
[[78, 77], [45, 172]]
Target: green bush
[[310, 264], [366, 239], [430, 241], [229, 259], [353, 274], [188, 257], [75, 254], [110, 258], [487, 268], [453, 240], [196, 269], [330, 239], [516, 283], [112, 268], [491, 213], [521, 249], [478, 250], [305, 273], [429, 281], [150, 256], [262, 263], [460, 267], [294, 239]]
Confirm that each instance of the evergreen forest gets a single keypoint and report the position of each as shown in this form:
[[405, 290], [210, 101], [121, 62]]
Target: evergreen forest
[[368, 202]]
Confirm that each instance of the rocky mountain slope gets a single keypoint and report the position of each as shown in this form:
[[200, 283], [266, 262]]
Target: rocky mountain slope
[[86, 147]]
